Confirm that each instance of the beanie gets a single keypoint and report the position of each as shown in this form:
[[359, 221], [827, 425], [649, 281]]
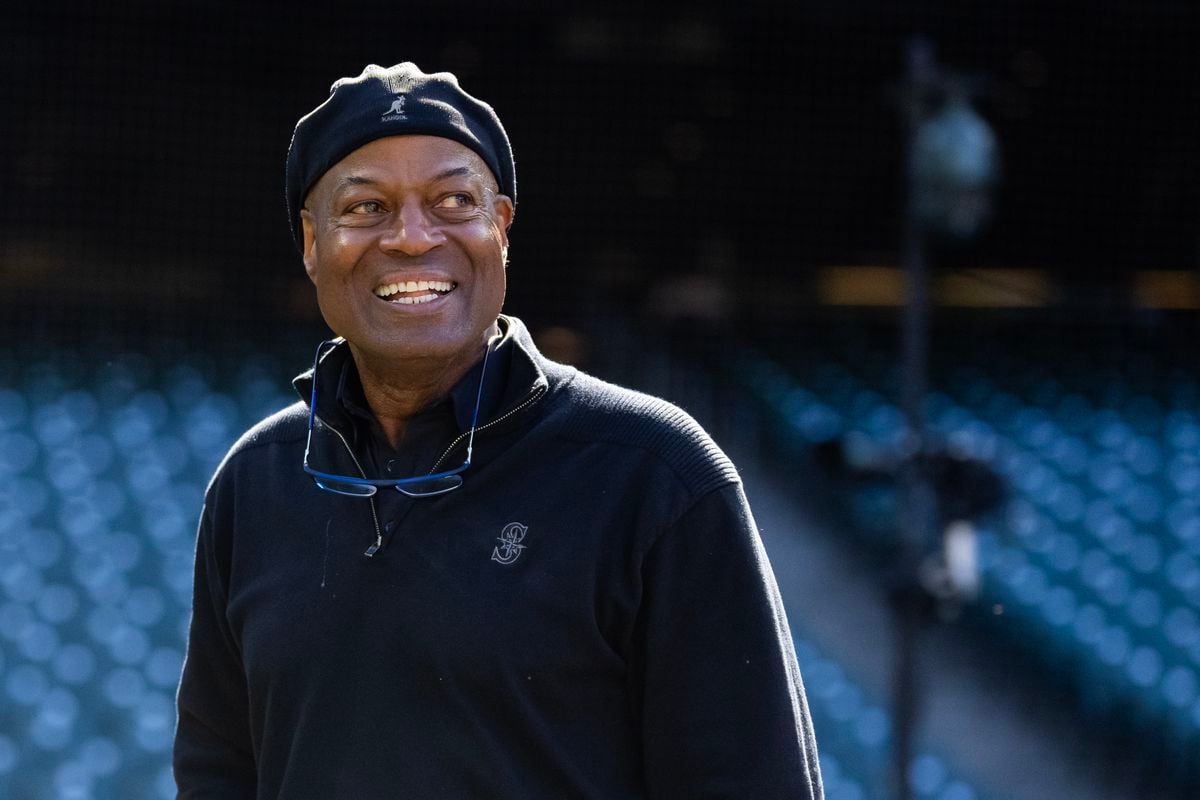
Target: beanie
[[394, 101]]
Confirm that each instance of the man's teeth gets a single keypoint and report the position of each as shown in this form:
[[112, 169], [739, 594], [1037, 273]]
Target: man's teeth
[[433, 290], [408, 300]]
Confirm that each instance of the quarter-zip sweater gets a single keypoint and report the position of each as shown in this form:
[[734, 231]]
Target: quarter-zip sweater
[[590, 615]]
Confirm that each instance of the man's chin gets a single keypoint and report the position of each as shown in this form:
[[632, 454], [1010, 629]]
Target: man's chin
[[419, 346]]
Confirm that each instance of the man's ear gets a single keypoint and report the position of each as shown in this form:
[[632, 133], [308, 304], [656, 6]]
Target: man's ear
[[310, 240], [502, 207]]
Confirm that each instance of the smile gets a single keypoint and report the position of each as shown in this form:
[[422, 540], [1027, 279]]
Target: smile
[[411, 293]]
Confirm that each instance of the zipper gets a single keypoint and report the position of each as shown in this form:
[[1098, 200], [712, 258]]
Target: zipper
[[537, 393], [373, 549]]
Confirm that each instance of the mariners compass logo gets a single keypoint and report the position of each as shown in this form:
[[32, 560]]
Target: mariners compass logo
[[396, 110], [510, 547]]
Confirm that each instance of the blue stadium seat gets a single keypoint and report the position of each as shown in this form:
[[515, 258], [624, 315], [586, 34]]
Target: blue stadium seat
[[103, 467], [1099, 561], [855, 734]]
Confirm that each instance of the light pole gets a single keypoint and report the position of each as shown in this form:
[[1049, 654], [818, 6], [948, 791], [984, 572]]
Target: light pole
[[951, 166]]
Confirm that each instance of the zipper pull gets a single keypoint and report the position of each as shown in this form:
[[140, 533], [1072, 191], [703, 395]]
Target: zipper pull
[[373, 549]]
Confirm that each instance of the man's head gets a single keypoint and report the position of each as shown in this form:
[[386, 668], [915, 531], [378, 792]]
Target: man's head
[[400, 202], [399, 100]]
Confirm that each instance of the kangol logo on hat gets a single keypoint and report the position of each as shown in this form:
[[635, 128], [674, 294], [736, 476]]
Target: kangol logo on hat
[[396, 110]]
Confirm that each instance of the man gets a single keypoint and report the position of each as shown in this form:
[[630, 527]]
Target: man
[[456, 569]]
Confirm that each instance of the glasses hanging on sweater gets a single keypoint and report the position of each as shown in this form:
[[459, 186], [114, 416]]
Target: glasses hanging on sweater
[[430, 485]]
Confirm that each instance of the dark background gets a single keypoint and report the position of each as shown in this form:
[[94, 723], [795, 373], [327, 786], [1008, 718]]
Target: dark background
[[143, 143]]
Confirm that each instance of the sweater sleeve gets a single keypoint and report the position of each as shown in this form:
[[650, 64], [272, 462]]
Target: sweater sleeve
[[213, 757], [724, 713]]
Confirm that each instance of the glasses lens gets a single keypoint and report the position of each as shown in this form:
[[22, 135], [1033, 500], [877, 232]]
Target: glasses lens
[[432, 486], [351, 489]]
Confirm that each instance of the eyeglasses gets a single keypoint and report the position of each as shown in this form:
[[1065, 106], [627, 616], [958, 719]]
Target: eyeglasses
[[419, 486]]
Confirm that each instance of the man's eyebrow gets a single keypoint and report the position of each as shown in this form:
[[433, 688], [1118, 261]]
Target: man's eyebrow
[[353, 180], [455, 172]]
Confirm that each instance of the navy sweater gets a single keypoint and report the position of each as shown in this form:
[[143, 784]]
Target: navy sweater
[[591, 615]]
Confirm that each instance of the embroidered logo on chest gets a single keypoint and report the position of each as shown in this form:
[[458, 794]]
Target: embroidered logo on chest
[[510, 547]]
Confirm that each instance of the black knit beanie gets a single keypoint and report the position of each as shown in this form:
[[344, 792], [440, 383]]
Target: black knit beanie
[[390, 102]]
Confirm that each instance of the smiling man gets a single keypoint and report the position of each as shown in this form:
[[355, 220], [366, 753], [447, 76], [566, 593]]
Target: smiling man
[[454, 568]]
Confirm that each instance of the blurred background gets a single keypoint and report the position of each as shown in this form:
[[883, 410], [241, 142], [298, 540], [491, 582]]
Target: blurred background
[[927, 270]]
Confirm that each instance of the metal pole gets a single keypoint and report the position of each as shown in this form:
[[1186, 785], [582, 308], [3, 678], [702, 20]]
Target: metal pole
[[909, 600]]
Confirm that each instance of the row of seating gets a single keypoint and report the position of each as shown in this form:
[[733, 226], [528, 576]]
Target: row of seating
[[1097, 551], [103, 464], [854, 735]]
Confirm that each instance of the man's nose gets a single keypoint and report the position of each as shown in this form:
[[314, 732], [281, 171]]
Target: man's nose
[[411, 231]]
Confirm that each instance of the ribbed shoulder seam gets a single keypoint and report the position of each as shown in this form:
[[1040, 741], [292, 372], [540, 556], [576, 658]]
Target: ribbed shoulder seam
[[598, 411]]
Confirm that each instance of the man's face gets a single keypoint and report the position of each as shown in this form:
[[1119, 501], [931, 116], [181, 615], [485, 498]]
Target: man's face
[[406, 241]]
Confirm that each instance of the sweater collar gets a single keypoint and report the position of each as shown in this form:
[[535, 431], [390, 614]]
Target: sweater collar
[[514, 372]]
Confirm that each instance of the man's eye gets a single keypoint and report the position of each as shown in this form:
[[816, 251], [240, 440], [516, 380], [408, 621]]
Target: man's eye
[[367, 207], [456, 200]]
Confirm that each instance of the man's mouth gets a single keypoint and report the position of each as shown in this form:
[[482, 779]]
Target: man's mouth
[[411, 293]]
